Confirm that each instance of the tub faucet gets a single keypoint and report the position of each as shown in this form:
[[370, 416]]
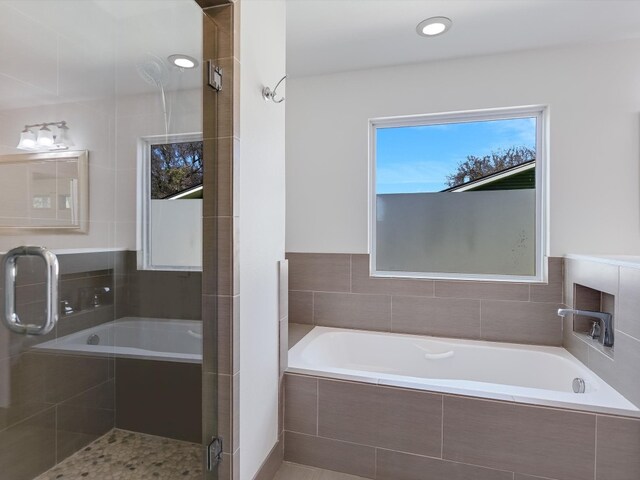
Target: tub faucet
[[603, 317]]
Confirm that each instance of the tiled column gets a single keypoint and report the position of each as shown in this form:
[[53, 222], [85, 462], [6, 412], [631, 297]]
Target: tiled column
[[220, 286]]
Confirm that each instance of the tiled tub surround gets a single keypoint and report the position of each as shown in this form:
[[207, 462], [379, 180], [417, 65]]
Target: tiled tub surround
[[390, 433], [609, 284], [534, 374], [336, 290]]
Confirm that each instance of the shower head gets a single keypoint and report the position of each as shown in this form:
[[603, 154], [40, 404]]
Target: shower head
[[154, 71]]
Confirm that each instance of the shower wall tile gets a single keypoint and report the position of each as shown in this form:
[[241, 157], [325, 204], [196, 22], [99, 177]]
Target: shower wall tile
[[144, 404], [392, 465], [68, 375], [84, 418], [391, 418], [221, 234], [221, 321], [221, 179], [449, 317], [222, 254], [428, 307], [35, 434], [538, 441]]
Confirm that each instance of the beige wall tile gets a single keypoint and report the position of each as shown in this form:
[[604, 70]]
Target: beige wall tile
[[535, 323], [628, 314], [397, 419], [361, 282], [330, 454], [301, 307], [618, 449], [301, 404], [449, 317], [352, 310], [599, 276], [572, 342], [35, 434], [537, 441], [483, 290], [220, 257], [392, 465], [283, 343], [221, 326], [617, 369], [219, 177], [323, 272], [551, 292]]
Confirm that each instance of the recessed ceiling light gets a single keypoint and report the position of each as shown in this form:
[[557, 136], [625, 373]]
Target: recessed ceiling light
[[183, 61], [433, 26]]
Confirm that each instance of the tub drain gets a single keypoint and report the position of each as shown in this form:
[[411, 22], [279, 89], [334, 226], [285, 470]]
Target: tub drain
[[93, 339], [578, 385]]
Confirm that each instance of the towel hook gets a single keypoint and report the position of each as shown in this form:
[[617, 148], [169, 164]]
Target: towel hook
[[269, 94]]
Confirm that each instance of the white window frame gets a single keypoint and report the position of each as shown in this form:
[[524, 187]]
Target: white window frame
[[541, 113], [143, 200]]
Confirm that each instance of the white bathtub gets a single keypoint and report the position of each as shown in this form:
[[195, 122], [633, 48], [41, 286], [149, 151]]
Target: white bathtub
[[504, 371], [135, 337]]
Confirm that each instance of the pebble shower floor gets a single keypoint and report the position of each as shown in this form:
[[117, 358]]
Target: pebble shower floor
[[123, 455]]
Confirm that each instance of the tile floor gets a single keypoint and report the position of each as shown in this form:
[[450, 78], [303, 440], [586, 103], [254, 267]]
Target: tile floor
[[123, 455], [292, 471]]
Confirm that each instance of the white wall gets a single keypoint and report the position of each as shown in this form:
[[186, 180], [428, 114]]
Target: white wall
[[594, 97], [262, 204]]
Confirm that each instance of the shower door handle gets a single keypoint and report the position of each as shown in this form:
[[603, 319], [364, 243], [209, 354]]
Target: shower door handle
[[10, 268]]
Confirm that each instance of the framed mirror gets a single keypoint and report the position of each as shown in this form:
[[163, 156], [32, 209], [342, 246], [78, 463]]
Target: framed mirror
[[48, 190]]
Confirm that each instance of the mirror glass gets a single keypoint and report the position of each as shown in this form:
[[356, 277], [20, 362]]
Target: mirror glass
[[44, 191]]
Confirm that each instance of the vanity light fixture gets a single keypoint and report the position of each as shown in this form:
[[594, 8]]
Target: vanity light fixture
[[183, 61], [45, 139], [433, 26]]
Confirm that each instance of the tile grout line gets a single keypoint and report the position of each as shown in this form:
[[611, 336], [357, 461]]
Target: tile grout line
[[442, 428], [595, 451]]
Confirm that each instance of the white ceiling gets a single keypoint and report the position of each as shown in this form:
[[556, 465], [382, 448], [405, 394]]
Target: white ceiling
[[326, 36]]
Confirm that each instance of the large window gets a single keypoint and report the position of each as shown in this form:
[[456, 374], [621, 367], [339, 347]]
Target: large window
[[170, 172], [459, 196]]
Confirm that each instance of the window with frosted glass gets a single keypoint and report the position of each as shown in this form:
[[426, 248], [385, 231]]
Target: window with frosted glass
[[458, 196]]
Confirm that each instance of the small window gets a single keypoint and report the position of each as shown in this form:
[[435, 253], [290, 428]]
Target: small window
[[170, 177], [459, 196]]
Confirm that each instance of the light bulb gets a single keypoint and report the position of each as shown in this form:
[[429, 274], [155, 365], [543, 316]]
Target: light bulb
[[27, 140], [45, 137]]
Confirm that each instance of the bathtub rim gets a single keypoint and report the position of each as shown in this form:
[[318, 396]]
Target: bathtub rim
[[59, 347], [372, 379]]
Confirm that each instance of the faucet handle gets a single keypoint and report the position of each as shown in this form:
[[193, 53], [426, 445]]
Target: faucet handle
[[595, 330]]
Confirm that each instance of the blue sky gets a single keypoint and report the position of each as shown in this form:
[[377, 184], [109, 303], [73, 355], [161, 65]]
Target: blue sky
[[418, 159]]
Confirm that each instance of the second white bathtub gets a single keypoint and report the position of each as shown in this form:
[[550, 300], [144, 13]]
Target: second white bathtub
[[524, 373]]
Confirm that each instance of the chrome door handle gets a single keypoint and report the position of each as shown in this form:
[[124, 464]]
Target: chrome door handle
[[10, 268]]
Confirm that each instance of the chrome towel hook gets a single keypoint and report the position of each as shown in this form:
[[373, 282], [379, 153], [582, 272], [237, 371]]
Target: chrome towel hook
[[270, 95]]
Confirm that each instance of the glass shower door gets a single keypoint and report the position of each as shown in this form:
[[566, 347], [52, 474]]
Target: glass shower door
[[100, 352]]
